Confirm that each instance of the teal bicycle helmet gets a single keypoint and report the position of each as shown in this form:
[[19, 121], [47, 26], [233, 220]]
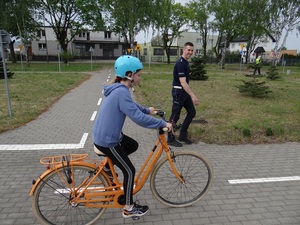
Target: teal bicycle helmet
[[127, 63]]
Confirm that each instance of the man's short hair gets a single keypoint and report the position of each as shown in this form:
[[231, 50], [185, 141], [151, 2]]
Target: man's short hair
[[188, 44]]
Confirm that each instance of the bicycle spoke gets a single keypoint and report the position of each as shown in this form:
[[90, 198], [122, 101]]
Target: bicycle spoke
[[52, 201], [195, 172]]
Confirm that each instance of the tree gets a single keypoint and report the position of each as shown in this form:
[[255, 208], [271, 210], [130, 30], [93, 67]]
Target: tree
[[169, 19], [227, 19], [197, 69], [198, 15], [69, 17], [156, 40], [272, 73], [127, 18], [254, 87], [18, 18], [253, 27], [284, 17]]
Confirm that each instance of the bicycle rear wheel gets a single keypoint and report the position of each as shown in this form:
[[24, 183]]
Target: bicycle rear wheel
[[196, 173], [51, 199]]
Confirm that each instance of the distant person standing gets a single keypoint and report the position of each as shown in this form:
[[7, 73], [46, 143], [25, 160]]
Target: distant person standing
[[257, 65], [183, 97]]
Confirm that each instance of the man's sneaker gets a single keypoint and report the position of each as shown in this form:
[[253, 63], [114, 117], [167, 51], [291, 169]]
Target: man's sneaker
[[136, 210], [174, 143], [185, 140]]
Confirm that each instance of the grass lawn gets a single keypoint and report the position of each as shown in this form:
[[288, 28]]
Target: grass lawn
[[232, 118], [34, 89]]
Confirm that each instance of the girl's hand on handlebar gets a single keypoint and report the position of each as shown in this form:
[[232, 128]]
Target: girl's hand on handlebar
[[152, 110], [169, 127]]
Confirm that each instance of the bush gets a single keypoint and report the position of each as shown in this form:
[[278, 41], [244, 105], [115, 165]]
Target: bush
[[246, 132], [197, 69], [9, 74], [269, 132], [254, 87], [272, 73]]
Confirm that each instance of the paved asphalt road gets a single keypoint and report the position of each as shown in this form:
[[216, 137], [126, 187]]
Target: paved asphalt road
[[270, 196]]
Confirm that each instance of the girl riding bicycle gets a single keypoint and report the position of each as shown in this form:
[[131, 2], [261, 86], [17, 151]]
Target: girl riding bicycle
[[107, 131]]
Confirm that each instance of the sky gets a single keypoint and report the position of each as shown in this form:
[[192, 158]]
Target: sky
[[293, 40]]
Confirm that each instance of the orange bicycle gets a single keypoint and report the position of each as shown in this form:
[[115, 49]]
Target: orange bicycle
[[75, 189]]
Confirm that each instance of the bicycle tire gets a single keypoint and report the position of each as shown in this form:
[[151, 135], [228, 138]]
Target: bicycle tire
[[51, 198], [196, 172]]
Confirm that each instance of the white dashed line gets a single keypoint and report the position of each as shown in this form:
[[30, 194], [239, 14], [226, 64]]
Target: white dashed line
[[94, 116], [45, 146], [264, 180], [99, 101]]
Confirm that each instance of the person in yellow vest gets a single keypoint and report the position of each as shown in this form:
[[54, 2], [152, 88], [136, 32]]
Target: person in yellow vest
[[257, 65]]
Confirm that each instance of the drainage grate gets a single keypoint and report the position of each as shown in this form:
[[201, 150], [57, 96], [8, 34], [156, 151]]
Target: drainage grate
[[203, 121]]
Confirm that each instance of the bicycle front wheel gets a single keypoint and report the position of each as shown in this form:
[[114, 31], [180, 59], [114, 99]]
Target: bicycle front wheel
[[51, 199], [194, 170]]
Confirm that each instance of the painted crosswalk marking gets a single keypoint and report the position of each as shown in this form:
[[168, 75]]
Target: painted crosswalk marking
[[45, 146], [264, 180]]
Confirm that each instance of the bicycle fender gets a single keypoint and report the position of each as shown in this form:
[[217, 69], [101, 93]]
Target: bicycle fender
[[43, 175]]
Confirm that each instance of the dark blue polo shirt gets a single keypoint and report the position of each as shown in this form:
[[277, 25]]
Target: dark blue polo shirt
[[181, 69]]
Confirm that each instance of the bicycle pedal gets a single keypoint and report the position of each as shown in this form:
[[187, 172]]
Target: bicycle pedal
[[135, 218]]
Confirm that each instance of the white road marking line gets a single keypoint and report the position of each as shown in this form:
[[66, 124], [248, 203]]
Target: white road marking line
[[99, 101], [264, 180], [93, 116], [45, 146]]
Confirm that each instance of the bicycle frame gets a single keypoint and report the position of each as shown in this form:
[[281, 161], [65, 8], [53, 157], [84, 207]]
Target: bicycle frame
[[107, 197]]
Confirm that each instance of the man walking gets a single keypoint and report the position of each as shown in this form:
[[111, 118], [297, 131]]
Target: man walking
[[257, 65], [183, 97]]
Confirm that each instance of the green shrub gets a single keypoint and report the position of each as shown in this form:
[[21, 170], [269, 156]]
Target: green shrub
[[254, 88], [197, 69], [246, 132], [269, 132]]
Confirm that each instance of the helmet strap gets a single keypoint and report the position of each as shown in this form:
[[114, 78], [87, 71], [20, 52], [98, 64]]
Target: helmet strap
[[129, 78]]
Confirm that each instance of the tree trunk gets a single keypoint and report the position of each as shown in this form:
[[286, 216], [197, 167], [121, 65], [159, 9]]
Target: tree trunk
[[12, 52]]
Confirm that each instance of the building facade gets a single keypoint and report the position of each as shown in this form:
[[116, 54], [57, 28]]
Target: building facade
[[87, 44], [109, 45]]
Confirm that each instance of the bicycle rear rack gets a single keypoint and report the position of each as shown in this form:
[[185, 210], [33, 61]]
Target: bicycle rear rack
[[50, 161]]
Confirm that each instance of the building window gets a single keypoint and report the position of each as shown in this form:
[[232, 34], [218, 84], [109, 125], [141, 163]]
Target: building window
[[108, 46], [107, 34], [198, 52], [81, 34], [211, 42], [79, 46], [198, 41], [232, 45], [41, 33], [145, 51], [173, 52], [158, 51], [42, 46]]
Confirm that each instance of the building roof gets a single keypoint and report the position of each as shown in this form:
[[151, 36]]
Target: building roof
[[259, 50]]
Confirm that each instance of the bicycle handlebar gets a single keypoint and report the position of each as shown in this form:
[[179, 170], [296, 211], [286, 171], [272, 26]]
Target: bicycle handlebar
[[162, 115]]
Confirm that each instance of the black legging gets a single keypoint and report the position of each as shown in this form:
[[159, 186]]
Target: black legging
[[119, 156]]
